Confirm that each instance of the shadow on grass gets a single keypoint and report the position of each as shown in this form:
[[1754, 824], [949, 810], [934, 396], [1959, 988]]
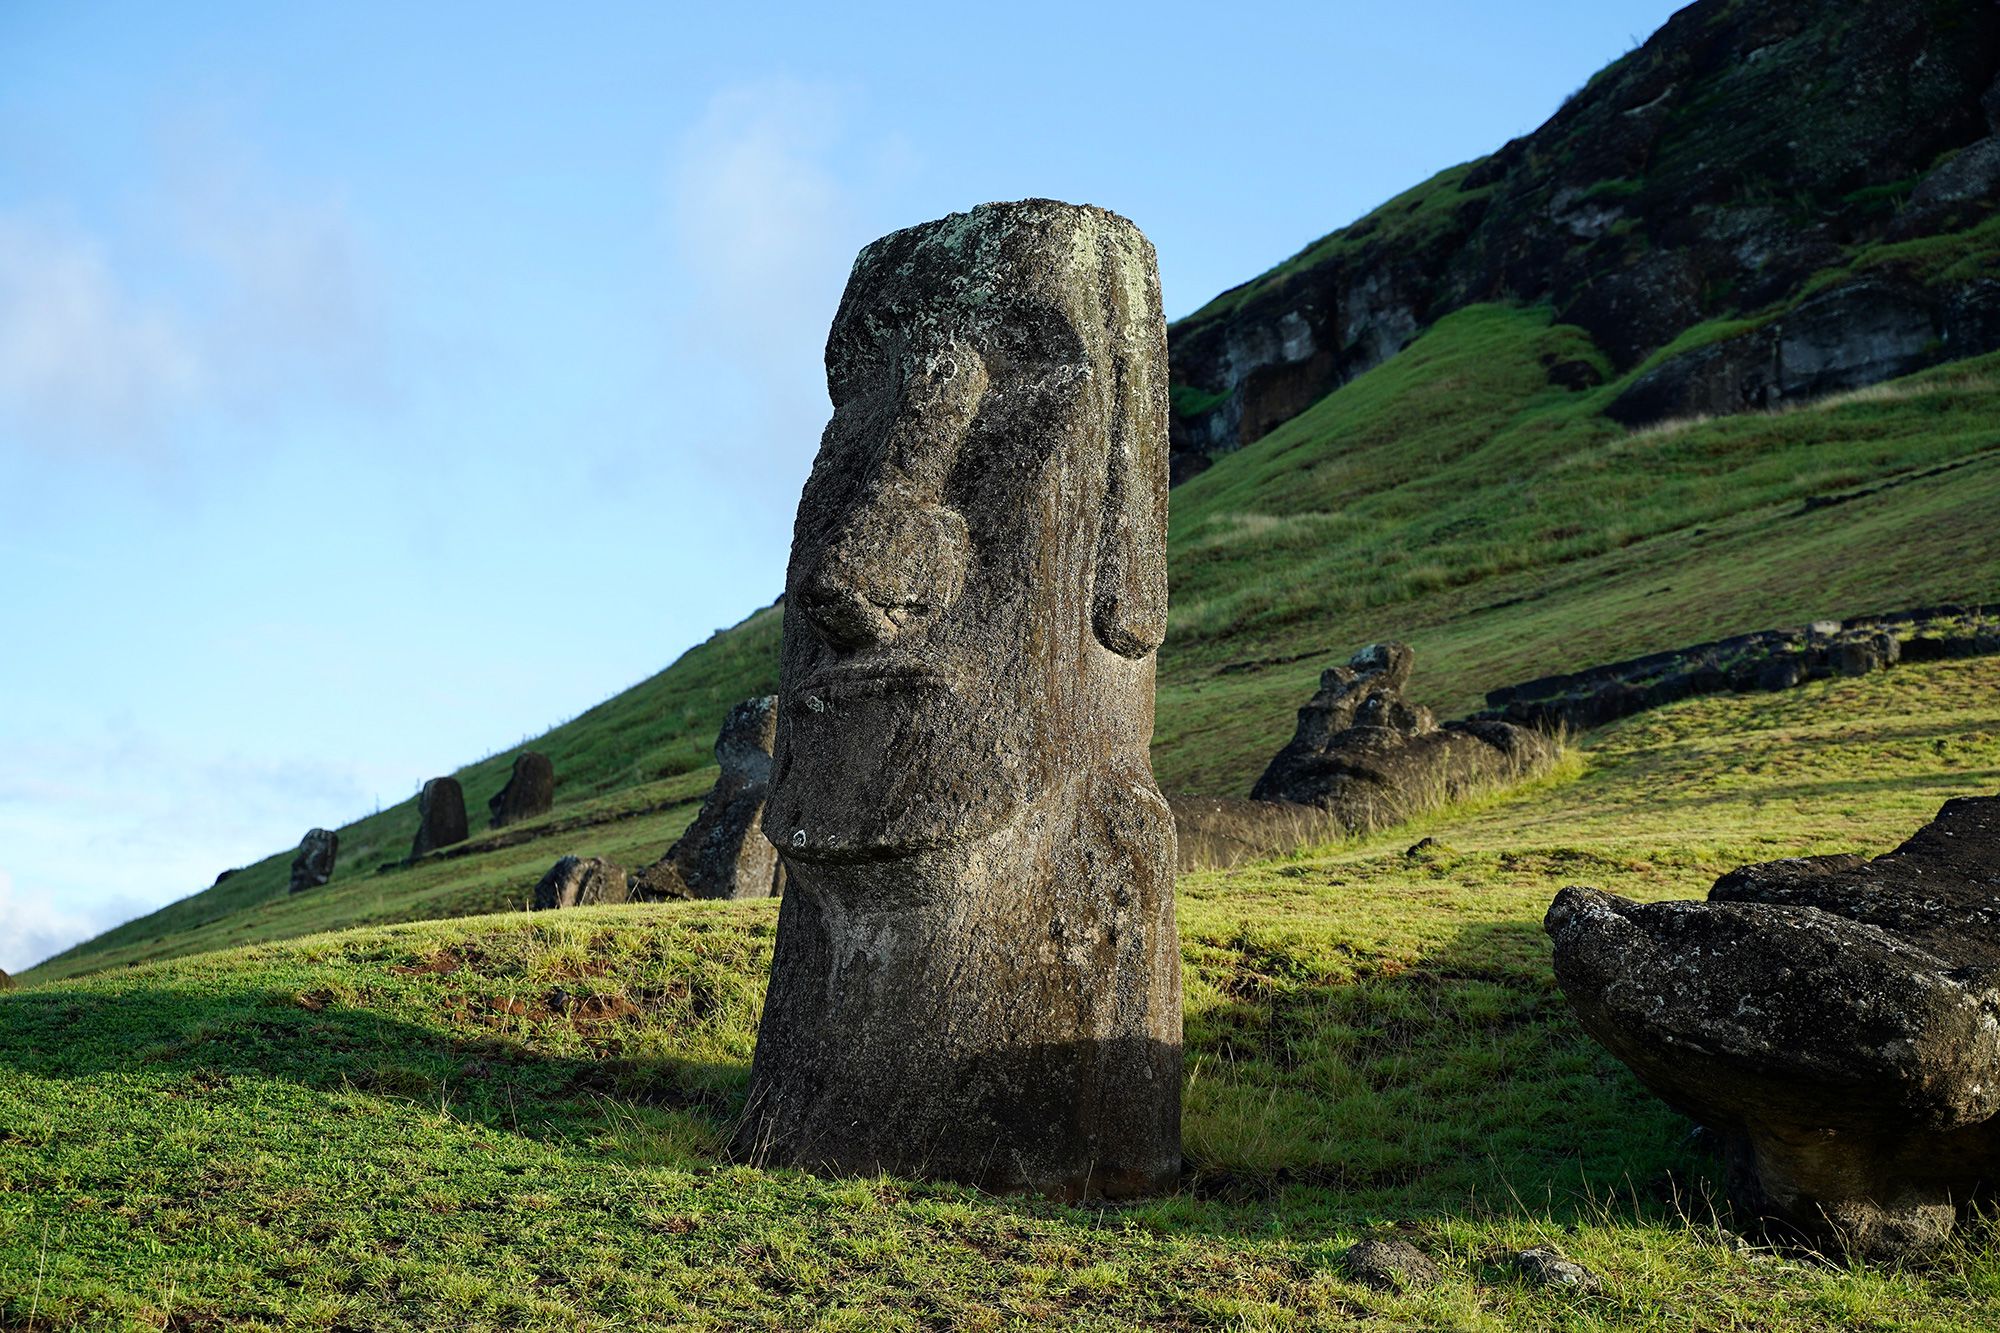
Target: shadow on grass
[[1318, 1082], [202, 1038]]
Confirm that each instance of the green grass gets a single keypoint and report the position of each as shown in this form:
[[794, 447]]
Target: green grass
[[512, 1121], [1451, 498]]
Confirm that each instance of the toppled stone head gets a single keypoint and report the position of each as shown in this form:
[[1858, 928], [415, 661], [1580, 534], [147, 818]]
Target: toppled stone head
[[1370, 758], [976, 973], [577, 881], [1835, 1020]]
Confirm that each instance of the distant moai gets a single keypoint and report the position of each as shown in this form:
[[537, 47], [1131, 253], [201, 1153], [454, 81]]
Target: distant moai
[[530, 790], [724, 853], [576, 881], [976, 974], [313, 866], [440, 816]]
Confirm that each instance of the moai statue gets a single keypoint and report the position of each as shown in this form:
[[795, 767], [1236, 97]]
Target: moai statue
[[723, 854], [976, 974], [313, 866], [530, 790], [440, 817]]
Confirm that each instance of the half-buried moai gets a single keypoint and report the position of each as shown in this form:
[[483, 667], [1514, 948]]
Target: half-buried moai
[[724, 853], [313, 866], [440, 817], [976, 974], [530, 790]]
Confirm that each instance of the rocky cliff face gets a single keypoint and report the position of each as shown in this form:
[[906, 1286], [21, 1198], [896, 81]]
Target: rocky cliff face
[[1791, 164]]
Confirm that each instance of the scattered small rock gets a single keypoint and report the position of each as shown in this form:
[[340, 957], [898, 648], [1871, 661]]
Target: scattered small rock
[[576, 881], [1425, 849], [1543, 1267], [1389, 1263], [313, 866]]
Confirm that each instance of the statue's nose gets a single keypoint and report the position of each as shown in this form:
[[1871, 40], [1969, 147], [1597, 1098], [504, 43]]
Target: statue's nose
[[900, 560]]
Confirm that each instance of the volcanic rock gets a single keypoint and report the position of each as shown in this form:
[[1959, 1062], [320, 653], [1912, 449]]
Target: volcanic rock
[[1835, 1020], [530, 790], [578, 882], [976, 974], [1389, 1263]]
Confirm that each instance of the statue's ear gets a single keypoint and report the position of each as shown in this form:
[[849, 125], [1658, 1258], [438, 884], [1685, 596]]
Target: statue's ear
[[1129, 601]]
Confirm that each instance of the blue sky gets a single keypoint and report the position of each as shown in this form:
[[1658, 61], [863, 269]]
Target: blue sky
[[382, 384]]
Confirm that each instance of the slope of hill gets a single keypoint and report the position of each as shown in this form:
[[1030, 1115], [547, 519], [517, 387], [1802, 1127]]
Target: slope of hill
[[1808, 181], [1472, 492], [513, 1121]]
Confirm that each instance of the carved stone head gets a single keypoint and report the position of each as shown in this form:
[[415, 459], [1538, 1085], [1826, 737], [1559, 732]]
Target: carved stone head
[[977, 583]]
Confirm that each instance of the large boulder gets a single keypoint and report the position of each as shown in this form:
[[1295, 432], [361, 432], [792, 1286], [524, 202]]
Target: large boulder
[[440, 816], [724, 853], [577, 881], [1370, 758], [1835, 1020], [976, 974], [530, 790], [313, 866]]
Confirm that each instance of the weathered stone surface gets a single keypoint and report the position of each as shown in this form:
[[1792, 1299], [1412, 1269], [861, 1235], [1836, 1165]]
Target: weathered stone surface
[[1215, 832], [575, 881], [440, 816], [530, 790], [1835, 1020], [1389, 1263], [724, 853], [976, 973], [313, 866], [1370, 758]]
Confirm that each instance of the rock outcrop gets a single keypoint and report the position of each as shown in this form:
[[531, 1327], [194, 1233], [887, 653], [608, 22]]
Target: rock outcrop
[[1835, 1020], [1776, 659], [440, 817], [313, 866], [976, 974], [576, 881], [530, 790], [1369, 758], [724, 853], [1733, 166], [6, 982]]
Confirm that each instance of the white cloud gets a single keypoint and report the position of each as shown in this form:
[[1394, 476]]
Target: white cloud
[[767, 232], [80, 359], [234, 291], [32, 928]]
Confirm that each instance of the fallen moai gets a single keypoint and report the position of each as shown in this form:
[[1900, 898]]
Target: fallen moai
[[1835, 1020], [1777, 659], [1369, 758], [976, 974], [530, 790], [724, 853], [576, 881], [440, 817], [313, 866]]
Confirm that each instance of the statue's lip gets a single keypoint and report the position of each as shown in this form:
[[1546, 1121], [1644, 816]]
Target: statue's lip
[[887, 675]]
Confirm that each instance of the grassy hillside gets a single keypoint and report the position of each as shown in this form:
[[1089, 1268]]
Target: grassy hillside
[[512, 1121], [1451, 497]]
